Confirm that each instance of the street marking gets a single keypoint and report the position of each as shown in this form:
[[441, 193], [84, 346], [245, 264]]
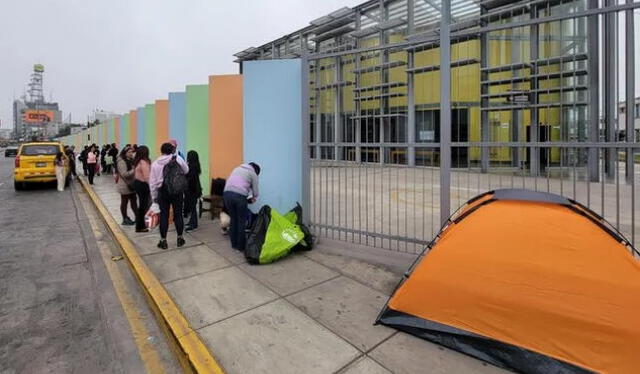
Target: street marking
[[148, 353], [193, 351]]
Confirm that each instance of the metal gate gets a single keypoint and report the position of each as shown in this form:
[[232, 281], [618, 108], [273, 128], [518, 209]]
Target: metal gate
[[400, 132]]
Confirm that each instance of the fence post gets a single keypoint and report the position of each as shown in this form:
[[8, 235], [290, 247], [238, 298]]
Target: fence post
[[306, 162], [445, 111]]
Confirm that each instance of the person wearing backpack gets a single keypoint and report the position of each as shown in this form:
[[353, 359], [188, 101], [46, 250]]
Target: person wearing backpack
[[168, 183]]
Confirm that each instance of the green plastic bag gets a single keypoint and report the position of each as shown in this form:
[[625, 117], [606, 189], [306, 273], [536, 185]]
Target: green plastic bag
[[272, 237]]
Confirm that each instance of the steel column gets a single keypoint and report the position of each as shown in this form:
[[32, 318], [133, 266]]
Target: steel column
[[629, 90], [306, 128], [610, 105], [484, 101], [411, 100], [445, 111], [534, 153], [594, 92]]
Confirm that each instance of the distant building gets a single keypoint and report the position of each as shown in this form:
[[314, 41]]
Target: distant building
[[6, 134], [33, 117], [635, 112], [101, 116]]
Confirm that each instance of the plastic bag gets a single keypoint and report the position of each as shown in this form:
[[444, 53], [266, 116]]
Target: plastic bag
[[272, 237], [225, 220]]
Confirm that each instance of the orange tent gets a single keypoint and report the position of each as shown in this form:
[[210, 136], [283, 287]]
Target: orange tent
[[528, 281]]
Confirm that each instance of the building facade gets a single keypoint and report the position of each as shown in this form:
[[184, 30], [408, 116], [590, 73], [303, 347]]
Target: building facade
[[521, 72]]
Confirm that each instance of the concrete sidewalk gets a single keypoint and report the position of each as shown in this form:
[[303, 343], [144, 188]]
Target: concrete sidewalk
[[311, 312]]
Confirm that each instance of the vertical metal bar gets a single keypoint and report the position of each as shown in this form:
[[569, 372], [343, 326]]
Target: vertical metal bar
[[594, 92], [306, 127], [411, 108], [484, 101], [534, 152], [610, 105], [629, 90], [445, 111]]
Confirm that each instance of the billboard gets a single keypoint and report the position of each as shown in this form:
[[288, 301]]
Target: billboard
[[38, 116]]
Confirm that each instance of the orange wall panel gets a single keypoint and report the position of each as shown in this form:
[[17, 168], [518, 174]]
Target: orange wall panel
[[225, 124], [133, 126], [162, 123]]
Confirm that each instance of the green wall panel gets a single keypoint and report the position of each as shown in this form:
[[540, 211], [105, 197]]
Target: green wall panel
[[198, 128], [150, 132]]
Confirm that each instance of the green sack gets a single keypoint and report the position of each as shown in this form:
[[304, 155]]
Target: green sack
[[272, 236]]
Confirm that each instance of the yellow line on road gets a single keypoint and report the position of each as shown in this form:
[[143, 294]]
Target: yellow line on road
[[148, 353], [193, 349]]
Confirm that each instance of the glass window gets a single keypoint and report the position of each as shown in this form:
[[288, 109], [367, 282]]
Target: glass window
[[40, 150]]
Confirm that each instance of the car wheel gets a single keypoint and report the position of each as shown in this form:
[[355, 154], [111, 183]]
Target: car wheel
[[18, 186]]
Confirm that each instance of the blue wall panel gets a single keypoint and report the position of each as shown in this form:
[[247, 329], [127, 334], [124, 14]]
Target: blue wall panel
[[272, 129], [178, 119], [140, 130]]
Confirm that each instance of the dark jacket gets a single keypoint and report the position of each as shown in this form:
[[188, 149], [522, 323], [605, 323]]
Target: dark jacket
[[194, 189]]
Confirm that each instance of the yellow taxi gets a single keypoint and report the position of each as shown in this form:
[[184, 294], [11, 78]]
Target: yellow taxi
[[34, 163]]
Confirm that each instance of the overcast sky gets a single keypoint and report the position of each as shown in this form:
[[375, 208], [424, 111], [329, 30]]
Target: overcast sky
[[120, 54]]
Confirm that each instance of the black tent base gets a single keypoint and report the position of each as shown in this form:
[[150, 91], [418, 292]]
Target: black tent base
[[500, 354]]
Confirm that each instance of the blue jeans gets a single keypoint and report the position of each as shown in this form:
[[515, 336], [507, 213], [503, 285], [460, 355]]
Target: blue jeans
[[236, 205]]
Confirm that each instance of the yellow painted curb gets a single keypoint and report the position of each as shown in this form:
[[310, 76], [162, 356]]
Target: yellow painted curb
[[194, 350]]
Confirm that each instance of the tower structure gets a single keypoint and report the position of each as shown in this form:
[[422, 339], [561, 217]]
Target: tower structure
[[36, 93]]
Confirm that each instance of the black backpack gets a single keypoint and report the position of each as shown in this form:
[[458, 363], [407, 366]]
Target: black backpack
[[174, 181]]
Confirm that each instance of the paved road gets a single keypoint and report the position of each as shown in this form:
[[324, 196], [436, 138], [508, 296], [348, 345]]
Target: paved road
[[59, 309]]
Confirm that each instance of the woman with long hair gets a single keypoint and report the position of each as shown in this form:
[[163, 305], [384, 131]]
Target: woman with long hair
[[125, 177], [142, 168], [60, 163], [194, 190]]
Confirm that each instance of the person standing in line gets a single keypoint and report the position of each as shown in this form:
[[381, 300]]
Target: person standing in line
[[142, 168], [83, 159], [71, 158], [166, 166], [241, 188], [98, 158], [103, 158], [194, 190], [60, 163], [92, 160], [113, 157], [124, 168]]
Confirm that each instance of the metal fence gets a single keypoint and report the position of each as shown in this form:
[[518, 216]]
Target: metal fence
[[409, 114]]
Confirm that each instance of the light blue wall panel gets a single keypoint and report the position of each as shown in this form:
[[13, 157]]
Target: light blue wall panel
[[272, 131], [178, 119]]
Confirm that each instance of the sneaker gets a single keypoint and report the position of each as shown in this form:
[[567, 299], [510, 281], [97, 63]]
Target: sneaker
[[162, 244], [143, 230], [180, 241], [128, 222], [189, 228]]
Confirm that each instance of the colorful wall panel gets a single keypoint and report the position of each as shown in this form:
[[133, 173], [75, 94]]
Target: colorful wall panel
[[178, 118], [116, 130], [162, 123], [125, 133], [141, 126], [225, 124], [150, 129], [272, 129], [110, 131], [133, 127], [197, 134]]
